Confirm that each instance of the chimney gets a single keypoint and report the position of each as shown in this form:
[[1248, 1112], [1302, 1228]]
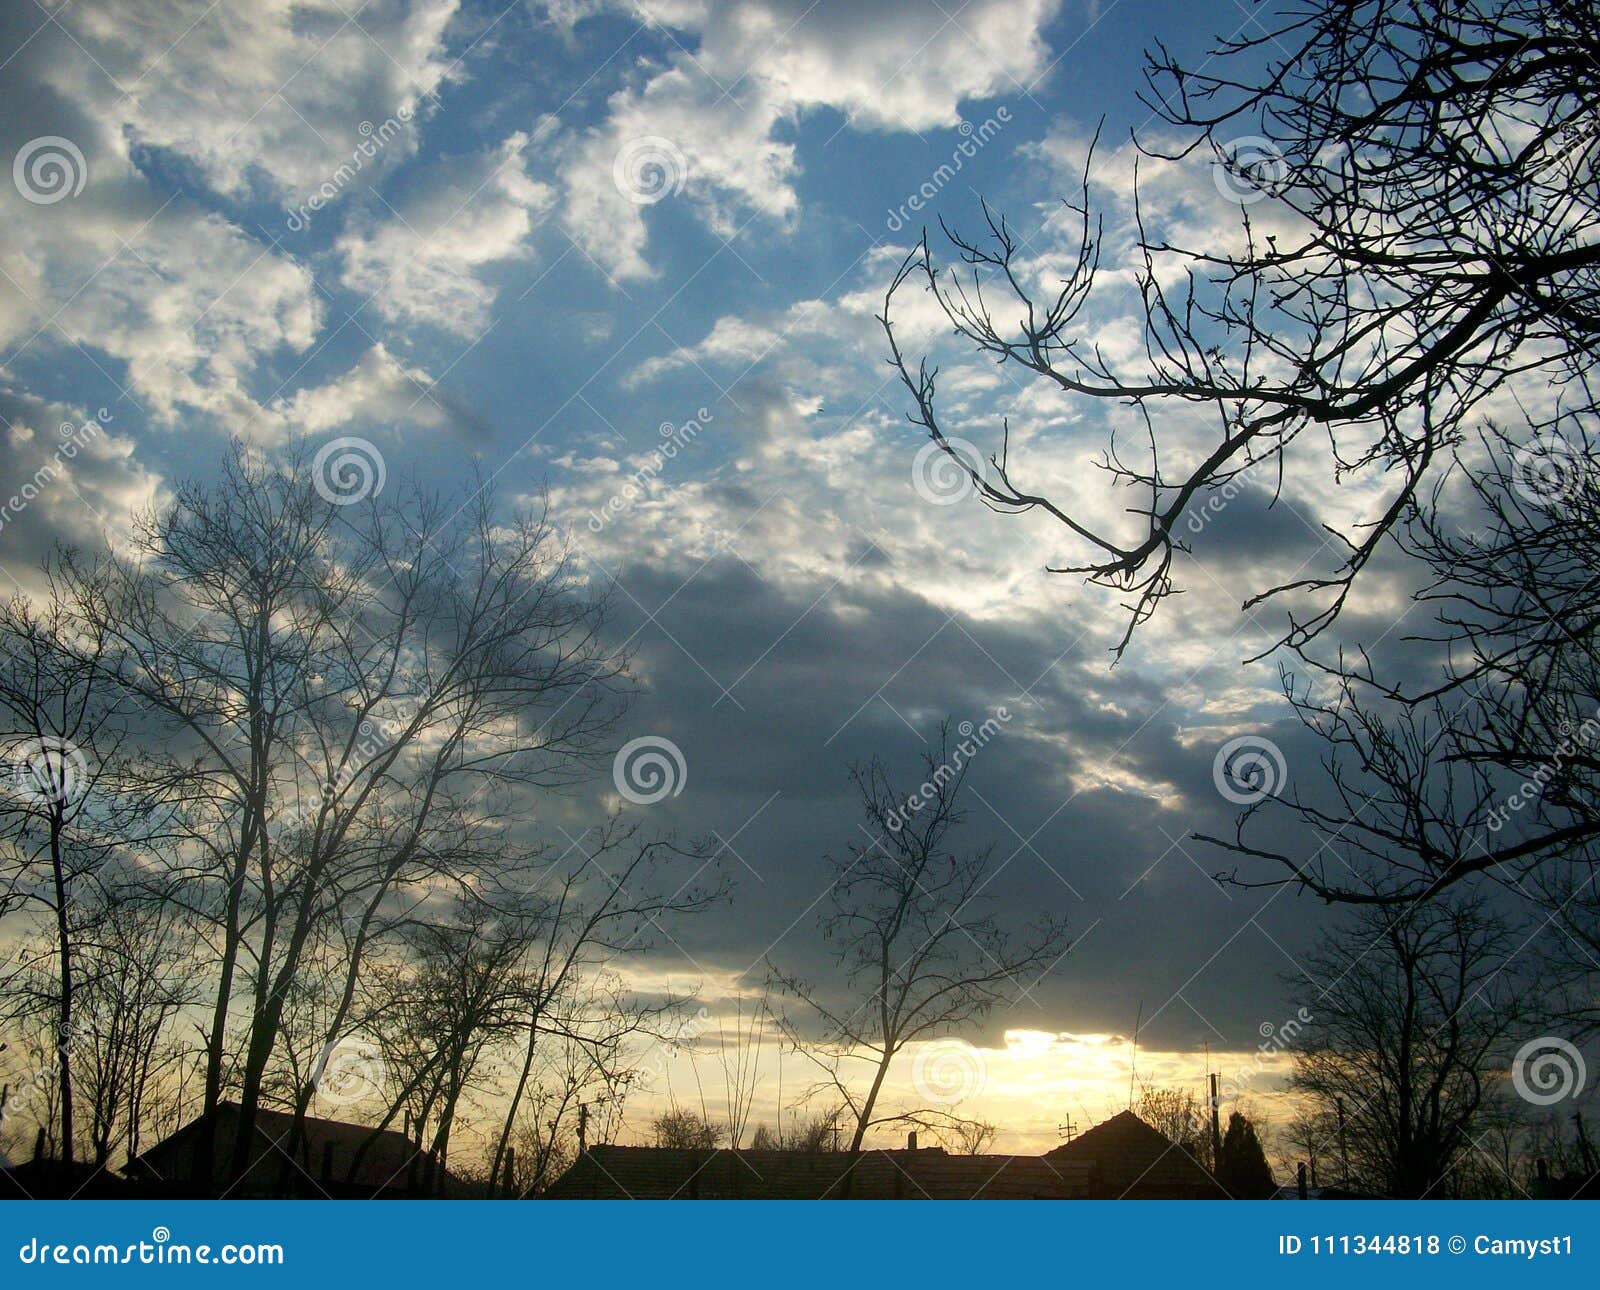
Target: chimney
[[911, 1140], [1300, 1180]]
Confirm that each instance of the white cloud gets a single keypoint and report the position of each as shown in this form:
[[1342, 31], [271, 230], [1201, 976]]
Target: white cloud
[[379, 388], [187, 301], [70, 478], [902, 67], [270, 96], [274, 91], [424, 264]]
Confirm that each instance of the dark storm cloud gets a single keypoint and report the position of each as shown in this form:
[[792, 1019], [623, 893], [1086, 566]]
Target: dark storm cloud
[[1088, 805]]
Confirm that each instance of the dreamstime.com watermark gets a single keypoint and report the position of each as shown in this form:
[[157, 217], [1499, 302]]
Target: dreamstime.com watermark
[[48, 771], [74, 439], [973, 140], [1550, 468], [1216, 501], [649, 769], [376, 733], [675, 1041], [947, 1072], [374, 139], [49, 169], [41, 1080], [1249, 768], [649, 169], [1548, 1070], [1274, 1040], [349, 1070], [1249, 169], [160, 1250], [674, 439], [348, 470], [946, 470], [1573, 738], [973, 739]]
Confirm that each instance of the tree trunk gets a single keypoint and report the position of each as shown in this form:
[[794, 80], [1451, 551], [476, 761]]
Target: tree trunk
[[205, 1148], [865, 1118], [64, 954]]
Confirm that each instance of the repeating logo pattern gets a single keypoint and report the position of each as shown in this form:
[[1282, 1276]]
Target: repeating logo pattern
[[649, 769], [348, 470], [947, 1072], [1248, 769], [49, 169], [1548, 1070]]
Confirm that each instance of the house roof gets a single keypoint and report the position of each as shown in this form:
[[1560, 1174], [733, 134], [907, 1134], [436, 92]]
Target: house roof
[[1135, 1161], [325, 1145], [658, 1173]]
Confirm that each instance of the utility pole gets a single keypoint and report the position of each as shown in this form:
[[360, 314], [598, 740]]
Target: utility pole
[[1344, 1150], [1216, 1127], [583, 1127]]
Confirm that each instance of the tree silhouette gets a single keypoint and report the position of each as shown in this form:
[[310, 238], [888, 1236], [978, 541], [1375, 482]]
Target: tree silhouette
[[921, 954], [1242, 1169], [1413, 1023], [1425, 238], [682, 1129]]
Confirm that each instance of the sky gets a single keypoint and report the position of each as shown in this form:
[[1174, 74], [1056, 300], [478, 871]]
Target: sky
[[629, 255]]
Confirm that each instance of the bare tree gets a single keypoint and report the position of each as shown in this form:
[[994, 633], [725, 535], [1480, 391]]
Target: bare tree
[[139, 974], [814, 1134], [909, 924], [970, 1137], [1410, 1034], [1485, 764], [684, 1130], [337, 684], [600, 901], [1425, 238], [1311, 1137], [571, 1077], [445, 1006], [68, 807], [1179, 1115], [739, 1059]]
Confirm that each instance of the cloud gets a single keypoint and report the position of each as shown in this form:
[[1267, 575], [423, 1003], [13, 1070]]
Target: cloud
[[275, 100], [272, 94], [425, 264], [902, 65], [70, 478], [379, 388], [711, 117], [190, 304]]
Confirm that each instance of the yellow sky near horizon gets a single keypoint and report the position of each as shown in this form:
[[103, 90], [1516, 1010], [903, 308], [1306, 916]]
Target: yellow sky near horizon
[[1030, 1087]]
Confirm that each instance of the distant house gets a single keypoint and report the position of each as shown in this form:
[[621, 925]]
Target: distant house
[[334, 1158], [1132, 1161], [1122, 1158], [931, 1173]]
